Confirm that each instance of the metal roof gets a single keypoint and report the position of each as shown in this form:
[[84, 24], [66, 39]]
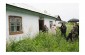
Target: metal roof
[[27, 7]]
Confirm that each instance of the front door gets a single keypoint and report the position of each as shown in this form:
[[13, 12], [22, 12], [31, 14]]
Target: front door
[[41, 25]]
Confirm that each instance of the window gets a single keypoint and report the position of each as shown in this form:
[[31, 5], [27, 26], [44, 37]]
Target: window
[[51, 23], [15, 25]]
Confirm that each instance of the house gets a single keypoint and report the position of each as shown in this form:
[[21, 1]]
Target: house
[[22, 21], [58, 19]]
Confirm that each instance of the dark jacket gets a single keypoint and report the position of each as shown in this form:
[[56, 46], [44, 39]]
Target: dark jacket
[[63, 28]]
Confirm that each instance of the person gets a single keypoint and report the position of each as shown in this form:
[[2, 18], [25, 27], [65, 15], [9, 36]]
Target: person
[[70, 35], [76, 30], [63, 29], [45, 29], [53, 28], [74, 33]]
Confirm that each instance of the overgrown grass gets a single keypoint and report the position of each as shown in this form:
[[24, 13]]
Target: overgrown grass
[[44, 42]]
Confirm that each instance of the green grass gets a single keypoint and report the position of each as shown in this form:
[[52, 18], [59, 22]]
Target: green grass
[[45, 42]]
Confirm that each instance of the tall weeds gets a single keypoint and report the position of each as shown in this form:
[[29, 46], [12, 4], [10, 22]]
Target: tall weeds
[[44, 42]]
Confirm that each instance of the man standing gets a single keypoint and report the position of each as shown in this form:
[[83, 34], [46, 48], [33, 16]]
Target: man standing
[[74, 33], [45, 29], [63, 29]]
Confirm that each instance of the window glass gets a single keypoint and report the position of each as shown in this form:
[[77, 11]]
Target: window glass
[[51, 23], [12, 28], [18, 28]]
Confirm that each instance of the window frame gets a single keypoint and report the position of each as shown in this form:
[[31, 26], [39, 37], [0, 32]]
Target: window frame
[[51, 23], [14, 33]]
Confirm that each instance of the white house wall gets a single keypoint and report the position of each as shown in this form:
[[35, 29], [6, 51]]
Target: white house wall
[[57, 24], [47, 22], [30, 25]]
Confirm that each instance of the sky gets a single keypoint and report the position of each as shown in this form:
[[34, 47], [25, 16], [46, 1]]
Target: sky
[[65, 10]]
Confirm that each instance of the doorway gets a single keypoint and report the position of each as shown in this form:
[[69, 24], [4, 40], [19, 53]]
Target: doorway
[[41, 25]]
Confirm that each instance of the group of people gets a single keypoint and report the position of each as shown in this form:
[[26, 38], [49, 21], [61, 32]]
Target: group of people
[[53, 29], [74, 33]]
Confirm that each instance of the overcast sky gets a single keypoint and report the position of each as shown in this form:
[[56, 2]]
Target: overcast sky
[[65, 10]]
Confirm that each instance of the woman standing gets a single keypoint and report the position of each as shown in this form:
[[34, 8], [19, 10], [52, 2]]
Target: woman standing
[[53, 28]]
